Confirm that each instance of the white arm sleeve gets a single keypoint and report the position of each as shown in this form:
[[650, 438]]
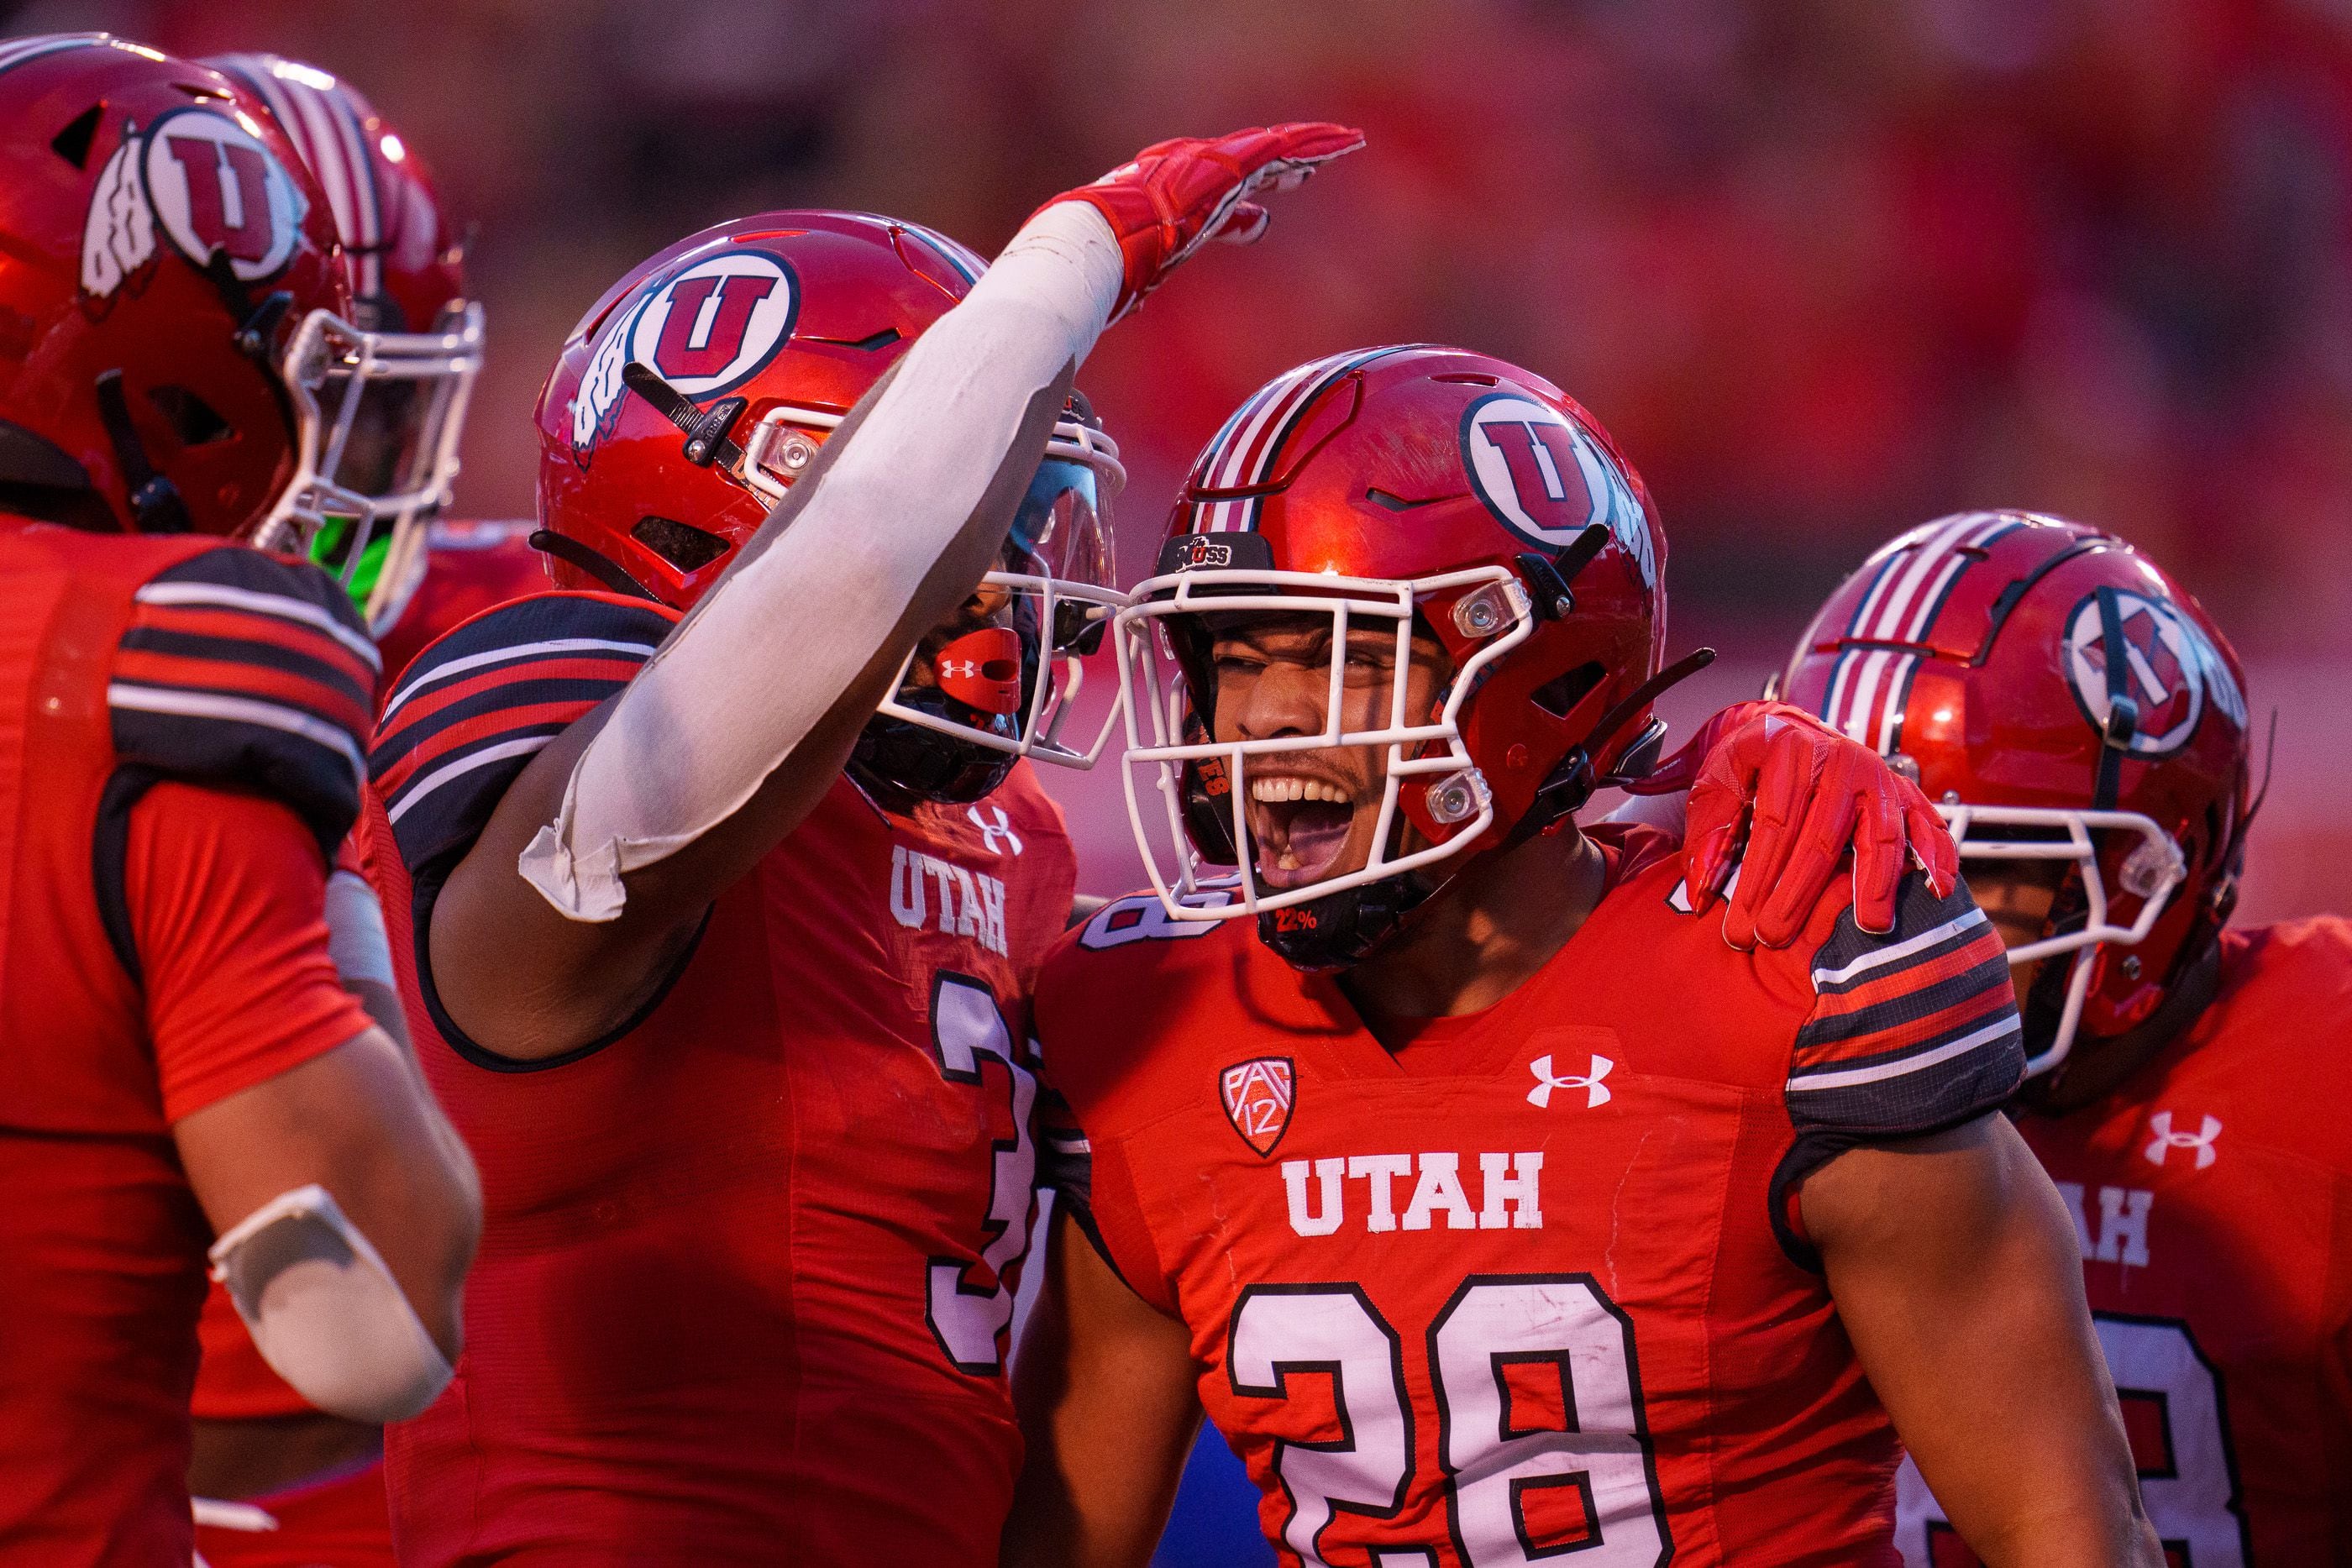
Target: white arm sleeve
[[775, 646]]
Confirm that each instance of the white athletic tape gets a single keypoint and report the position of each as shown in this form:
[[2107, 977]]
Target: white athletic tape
[[771, 649], [325, 1312]]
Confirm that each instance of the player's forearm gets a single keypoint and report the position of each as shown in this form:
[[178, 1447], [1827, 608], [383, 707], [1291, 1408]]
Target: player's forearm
[[1956, 1273], [521, 978], [2073, 1535]]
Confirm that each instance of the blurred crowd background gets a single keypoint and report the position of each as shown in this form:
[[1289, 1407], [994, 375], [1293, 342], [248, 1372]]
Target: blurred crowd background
[[1824, 268]]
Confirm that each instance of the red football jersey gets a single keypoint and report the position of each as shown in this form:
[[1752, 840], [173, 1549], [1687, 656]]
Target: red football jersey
[[1516, 1290], [2212, 1196], [746, 1266], [184, 728]]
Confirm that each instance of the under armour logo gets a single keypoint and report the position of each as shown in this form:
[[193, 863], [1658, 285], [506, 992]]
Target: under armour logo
[[2166, 1140], [1595, 1092], [959, 669], [1002, 828]]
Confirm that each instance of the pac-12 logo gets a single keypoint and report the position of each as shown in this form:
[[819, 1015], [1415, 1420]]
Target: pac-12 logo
[[705, 328], [1547, 479], [209, 184], [1258, 1096], [2170, 668]]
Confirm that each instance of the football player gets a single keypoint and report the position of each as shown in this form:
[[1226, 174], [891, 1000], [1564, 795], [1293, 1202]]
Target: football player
[[1492, 1205], [313, 1483], [2084, 723], [189, 720], [727, 877], [408, 283]]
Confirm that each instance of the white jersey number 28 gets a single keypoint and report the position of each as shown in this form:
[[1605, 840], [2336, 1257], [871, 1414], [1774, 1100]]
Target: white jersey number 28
[[1500, 1335], [2173, 1406]]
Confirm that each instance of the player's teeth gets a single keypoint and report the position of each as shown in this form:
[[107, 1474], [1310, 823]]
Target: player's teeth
[[1296, 790]]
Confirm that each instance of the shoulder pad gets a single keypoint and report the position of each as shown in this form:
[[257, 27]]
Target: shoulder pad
[[242, 668], [473, 707]]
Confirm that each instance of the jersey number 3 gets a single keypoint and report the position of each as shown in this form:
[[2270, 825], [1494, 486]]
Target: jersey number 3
[[1539, 1423], [968, 1305]]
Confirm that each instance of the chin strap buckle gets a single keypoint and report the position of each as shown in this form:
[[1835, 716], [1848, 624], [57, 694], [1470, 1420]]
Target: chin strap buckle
[[1548, 576], [255, 338], [707, 438]]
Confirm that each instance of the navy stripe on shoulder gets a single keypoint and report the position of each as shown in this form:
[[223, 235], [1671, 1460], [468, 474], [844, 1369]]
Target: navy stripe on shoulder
[[1909, 1031], [241, 669], [234, 578], [475, 706]]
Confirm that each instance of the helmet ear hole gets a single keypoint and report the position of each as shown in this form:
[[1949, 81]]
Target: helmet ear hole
[[192, 420], [682, 544], [1559, 695], [73, 142]]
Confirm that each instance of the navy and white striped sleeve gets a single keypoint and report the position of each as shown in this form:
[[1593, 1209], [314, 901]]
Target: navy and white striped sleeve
[[1912, 1031], [242, 669], [474, 707]]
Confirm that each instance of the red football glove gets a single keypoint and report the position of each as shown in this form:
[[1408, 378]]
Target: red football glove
[[1177, 196], [1812, 793]]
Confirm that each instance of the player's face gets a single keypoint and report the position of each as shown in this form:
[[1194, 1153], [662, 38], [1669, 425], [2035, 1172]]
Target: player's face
[[1313, 813], [2016, 896], [1059, 532]]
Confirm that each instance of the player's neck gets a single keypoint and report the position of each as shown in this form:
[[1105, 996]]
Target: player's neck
[[1494, 925]]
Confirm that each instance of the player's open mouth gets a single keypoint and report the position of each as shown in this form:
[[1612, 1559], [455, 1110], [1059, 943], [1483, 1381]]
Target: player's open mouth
[[1301, 826]]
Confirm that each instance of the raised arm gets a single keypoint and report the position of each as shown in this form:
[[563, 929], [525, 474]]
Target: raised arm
[[1955, 1271], [599, 861]]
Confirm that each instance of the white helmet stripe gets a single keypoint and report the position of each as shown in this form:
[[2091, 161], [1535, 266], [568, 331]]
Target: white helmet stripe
[[1888, 570], [1854, 723], [960, 256], [15, 52], [1894, 693], [1924, 558], [346, 143], [1840, 674], [1244, 451], [1907, 599]]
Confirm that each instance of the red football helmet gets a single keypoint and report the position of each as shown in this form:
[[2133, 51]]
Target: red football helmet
[[1418, 486], [702, 384], [169, 260], [2060, 698], [391, 454]]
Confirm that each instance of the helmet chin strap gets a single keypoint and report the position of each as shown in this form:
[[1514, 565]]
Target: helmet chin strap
[[156, 503], [2086, 1076], [900, 762], [1339, 930]]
